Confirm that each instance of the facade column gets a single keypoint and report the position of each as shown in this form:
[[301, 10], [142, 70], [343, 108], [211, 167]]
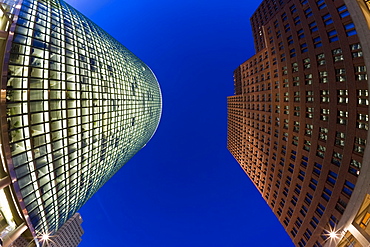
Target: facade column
[[358, 235], [11, 237], [4, 182]]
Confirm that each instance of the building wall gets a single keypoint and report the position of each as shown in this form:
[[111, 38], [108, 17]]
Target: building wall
[[299, 127], [12, 221]]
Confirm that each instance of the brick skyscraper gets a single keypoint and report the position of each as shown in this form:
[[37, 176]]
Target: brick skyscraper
[[298, 123]]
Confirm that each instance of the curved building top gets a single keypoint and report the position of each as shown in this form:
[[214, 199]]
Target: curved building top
[[76, 105]]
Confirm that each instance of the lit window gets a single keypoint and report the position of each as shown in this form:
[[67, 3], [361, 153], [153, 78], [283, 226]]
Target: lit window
[[320, 151], [324, 96], [323, 135], [360, 72], [363, 121], [356, 50], [342, 96], [309, 96], [337, 54], [340, 138], [309, 127], [342, 117], [337, 158], [340, 75], [320, 58], [308, 79], [324, 116], [359, 145]]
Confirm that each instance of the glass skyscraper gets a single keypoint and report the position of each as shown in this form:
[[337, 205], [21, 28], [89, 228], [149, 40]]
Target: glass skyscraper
[[75, 106]]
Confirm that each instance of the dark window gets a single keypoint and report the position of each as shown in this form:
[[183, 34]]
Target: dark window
[[327, 19], [313, 184], [343, 11], [320, 209], [348, 188]]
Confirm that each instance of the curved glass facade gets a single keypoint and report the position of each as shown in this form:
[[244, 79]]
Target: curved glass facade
[[78, 105]]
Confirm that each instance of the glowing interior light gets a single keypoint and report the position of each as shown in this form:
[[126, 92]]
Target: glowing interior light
[[45, 237], [332, 235]]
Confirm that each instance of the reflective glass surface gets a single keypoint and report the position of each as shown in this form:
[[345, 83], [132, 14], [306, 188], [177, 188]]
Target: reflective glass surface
[[79, 106]]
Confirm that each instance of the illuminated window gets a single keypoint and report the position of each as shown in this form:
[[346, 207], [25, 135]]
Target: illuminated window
[[363, 121], [365, 221], [340, 138], [337, 158]]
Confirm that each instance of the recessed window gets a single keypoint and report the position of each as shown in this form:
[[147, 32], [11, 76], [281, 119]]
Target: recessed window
[[297, 20], [320, 151], [337, 55], [313, 184], [317, 42], [350, 29], [342, 117], [340, 138], [326, 194], [333, 36], [321, 4], [343, 11], [348, 188], [308, 12], [336, 158], [320, 209], [327, 19], [313, 27], [362, 121], [342, 96]]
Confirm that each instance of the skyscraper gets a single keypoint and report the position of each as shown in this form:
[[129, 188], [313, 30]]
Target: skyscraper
[[69, 235], [298, 122], [75, 106]]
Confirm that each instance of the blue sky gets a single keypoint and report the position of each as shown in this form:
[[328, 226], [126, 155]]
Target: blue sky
[[184, 188]]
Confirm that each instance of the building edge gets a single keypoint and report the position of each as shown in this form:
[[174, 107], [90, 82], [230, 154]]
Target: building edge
[[361, 18]]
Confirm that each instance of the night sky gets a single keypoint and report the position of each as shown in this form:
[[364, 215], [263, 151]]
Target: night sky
[[184, 188]]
